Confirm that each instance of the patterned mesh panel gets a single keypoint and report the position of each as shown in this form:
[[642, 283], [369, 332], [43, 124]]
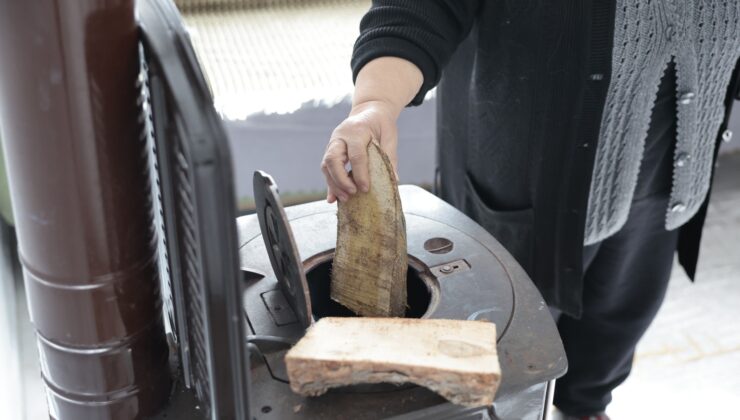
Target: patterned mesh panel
[[195, 180], [274, 55], [194, 293], [192, 337], [147, 136]]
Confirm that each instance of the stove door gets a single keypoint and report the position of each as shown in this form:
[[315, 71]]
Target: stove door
[[281, 247]]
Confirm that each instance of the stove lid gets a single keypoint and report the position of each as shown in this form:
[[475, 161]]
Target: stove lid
[[281, 247]]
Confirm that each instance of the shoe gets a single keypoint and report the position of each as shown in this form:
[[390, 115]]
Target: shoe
[[559, 415]]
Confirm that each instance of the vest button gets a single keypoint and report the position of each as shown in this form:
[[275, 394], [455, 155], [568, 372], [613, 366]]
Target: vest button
[[727, 136], [670, 32], [682, 159], [686, 98], [678, 207]]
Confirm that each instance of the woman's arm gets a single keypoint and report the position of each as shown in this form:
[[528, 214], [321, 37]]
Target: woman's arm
[[399, 55], [382, 89]]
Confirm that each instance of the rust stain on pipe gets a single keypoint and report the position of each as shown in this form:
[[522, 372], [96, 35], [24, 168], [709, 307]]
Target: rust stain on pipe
[[78, 177]]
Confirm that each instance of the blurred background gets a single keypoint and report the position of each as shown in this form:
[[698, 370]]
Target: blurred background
[[280, 76]]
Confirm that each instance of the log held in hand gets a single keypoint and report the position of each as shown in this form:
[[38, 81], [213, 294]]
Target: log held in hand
[[370, 262]]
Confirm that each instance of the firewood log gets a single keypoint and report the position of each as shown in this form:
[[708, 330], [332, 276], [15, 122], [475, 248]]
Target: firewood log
[[370, 262], [456, 359]]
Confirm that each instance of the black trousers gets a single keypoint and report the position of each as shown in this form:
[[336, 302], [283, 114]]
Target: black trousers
[[625, 278]]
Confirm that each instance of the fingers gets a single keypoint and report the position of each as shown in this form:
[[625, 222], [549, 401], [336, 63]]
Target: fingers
[[330, 197], [336, 160], [349, 143], [332, 193], [357, 153], [339, 182]]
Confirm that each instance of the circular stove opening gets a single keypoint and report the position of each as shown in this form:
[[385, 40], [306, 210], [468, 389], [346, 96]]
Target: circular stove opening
[[419, 291]]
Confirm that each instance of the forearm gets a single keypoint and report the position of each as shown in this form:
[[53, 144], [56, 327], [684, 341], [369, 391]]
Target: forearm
[[391, 80], [423, 32], [399, 55]]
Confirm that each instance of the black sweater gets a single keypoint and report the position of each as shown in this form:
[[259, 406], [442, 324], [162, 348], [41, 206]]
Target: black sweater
[[533, 74], [425, 33]]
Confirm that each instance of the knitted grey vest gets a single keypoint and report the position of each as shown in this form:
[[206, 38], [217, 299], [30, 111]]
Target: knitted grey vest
[[703, 38]]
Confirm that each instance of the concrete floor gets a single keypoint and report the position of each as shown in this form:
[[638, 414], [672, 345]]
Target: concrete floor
[[688, 364]]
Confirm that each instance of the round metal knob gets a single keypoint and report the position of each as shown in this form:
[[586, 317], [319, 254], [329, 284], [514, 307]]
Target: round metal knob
[[727, 136], [682, 159], [678, 207], [686, 98]]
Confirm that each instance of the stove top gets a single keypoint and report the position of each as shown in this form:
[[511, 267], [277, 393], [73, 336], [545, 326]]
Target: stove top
[[457, 270]]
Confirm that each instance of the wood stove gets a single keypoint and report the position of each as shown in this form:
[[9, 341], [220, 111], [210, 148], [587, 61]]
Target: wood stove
[[235, 315]]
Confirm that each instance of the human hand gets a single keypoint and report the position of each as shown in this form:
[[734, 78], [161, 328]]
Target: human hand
[[373, 120]]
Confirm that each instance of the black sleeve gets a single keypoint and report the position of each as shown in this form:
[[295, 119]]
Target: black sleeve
[[425, 32]]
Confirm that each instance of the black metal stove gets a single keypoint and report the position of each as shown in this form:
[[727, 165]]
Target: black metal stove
[[232, 327], [456, 271]]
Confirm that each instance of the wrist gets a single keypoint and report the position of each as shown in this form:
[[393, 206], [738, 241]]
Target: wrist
[[382, 106], [389, 82]]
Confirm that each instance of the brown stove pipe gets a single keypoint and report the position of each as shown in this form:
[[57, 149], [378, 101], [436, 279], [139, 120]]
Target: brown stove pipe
[[78, 178]]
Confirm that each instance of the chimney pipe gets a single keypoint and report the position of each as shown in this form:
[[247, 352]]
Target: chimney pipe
[[81, 198]]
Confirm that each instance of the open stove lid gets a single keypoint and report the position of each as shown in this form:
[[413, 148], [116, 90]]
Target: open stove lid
[[281, 247]]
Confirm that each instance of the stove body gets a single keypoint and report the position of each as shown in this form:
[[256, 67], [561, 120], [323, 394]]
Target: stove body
[[457, 270], [232, 369]]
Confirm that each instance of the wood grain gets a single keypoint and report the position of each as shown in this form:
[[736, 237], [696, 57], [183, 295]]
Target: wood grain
[[370, 261], [456, 359]]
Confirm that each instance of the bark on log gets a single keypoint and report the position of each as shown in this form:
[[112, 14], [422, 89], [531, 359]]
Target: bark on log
[[456, 359], [370, 262]]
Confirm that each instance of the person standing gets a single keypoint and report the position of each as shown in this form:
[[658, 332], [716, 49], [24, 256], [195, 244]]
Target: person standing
[[582, 135]]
